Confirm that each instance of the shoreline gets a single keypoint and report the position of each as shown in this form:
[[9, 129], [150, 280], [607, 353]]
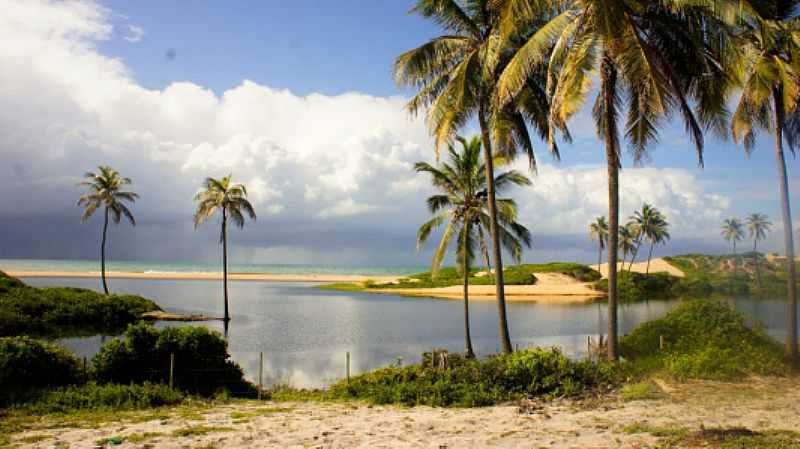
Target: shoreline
[[203, 276]]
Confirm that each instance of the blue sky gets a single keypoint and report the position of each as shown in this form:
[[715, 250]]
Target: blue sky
[[297, 100]]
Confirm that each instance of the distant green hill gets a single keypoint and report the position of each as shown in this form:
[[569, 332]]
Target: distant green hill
[[65, 311]]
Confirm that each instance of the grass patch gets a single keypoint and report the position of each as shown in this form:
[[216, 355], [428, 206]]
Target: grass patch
[[34, 438], [65, 311], [142, 437], [704, 339], [721, 438], [641, 391], [104, 397], [199, 430]]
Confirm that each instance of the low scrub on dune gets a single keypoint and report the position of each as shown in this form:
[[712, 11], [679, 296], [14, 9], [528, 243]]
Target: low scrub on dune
[[703, 339], [634, 286], [61, 311], [202, 364], [28, 365], [451, 380], [94, 396]]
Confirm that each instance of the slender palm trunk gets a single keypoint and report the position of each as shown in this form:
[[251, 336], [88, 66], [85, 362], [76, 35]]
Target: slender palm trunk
[[599, 256], [505, 338], [755, 262], [735, 261], [788, 241], [649, 256], [467, 338], [608, 77], [103, 253], [633, 254], [225, 263]]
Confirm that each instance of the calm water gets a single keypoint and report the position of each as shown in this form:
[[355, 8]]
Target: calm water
[[305, 332]]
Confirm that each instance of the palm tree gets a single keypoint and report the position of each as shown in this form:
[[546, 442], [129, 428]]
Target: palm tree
[[455, 77], [105, 190], [657, 56], [231, 200], [642, 220], [733, 232], [769, 101], [657, 233], [757, 226], [463, 205], [627, 240], [598, 230]]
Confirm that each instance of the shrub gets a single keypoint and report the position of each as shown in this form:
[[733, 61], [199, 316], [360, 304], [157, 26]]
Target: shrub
[[202, 363], [27, 364], [65, 310], [470, 382], [704, 339], [107, 396]]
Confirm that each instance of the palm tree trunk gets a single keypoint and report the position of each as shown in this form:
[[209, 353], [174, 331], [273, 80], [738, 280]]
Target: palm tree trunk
[[608, 77], [735, 261], [755, 262], [788, 241], [633, 254], [103, 253], [649, 256], [505, 338], [225, 263], [465, 266], [599, 256]]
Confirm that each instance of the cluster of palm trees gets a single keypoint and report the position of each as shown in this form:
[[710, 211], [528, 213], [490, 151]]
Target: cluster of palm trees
[[758, 226], [105, 191], [530, 65], [646, 224]]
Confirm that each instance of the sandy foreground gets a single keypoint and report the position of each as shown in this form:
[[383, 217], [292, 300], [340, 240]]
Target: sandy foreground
[[606, 422]]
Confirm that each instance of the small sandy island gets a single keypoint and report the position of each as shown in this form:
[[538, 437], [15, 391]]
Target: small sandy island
[[700, 411], [203, 276]]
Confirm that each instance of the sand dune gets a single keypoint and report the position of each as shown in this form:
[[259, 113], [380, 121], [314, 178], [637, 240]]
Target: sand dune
[[658, 265]]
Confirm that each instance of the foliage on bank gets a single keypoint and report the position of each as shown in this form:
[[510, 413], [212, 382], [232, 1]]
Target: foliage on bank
[[62, 311]]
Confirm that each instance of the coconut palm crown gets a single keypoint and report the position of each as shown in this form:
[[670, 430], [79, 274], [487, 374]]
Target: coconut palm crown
[[231, 200], [462, 207], [105, 190]]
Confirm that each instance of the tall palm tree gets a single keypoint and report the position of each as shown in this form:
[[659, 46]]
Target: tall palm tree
[[757, 226], [628, 236], [658, 234], [642, 221], [598, 230], [657, 56], [769, 101], [105, 190], [455, 78], [463, 205], [231, 199], [732, 232]]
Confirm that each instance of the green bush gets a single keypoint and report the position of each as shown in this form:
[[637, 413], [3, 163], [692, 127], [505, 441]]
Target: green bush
[[108, 396], [64, 310], [704, 339], [470, 382], [27, 364], [202, 363]]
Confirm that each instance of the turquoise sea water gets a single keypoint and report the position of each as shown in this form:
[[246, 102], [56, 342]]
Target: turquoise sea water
[[200, 267]]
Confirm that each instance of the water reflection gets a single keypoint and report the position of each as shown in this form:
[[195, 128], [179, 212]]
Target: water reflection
[[305, 333]]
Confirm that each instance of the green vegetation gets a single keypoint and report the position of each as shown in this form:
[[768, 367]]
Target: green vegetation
[[703, 339], [27, 365], [202, 363], [721, 438], [452, 380], [639, 391], [199, 430], [63, 311], [104, 397]]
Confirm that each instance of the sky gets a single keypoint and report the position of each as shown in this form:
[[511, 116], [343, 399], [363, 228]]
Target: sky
[[297, 101]]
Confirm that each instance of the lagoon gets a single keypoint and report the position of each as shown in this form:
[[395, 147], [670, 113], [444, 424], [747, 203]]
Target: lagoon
[[305, 332]]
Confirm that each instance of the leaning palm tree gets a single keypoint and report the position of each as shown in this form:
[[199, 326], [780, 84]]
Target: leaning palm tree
[[769, 101], [658, 234], [463, 205], [732, 232], [658, 57], [598, 230], [105, 191], [628, 236], [642, 220], [455, 77], [231, 200], [757, 226]]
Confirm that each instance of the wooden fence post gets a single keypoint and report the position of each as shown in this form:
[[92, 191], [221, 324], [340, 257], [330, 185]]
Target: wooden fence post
[[260, 373], [171, 369], [348, 366]]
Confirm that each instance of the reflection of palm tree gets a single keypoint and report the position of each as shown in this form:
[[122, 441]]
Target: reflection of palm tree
[[732, 232], [757, 226], [598, 230], [769, 100], [650, 59], [463, 205], [104, 190], [231, 200], [455, 78]]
